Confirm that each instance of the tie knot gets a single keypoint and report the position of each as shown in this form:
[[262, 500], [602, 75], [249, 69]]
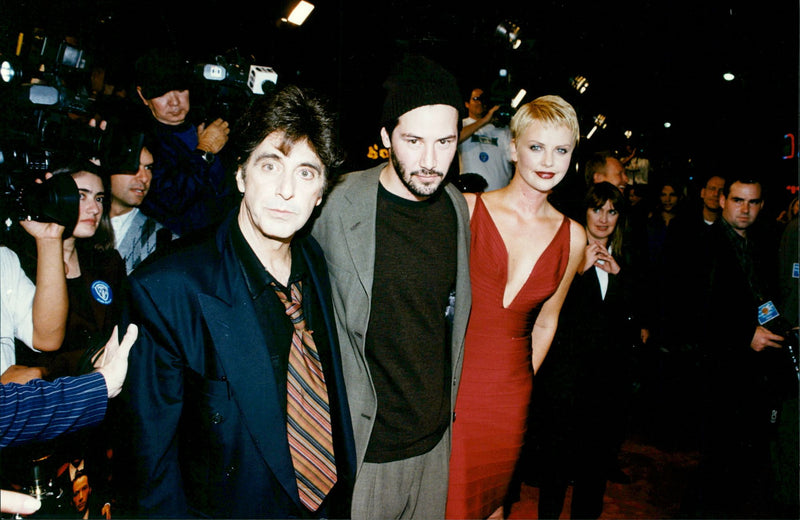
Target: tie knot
[[294, 308]]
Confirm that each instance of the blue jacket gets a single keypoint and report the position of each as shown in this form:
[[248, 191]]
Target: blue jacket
[[187, 194]]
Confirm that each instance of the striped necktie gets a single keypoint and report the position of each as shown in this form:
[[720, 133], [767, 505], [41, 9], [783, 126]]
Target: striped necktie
[[308, 417]]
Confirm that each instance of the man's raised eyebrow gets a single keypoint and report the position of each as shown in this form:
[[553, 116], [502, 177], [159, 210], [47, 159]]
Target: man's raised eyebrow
[[267, 155], [280, 156]]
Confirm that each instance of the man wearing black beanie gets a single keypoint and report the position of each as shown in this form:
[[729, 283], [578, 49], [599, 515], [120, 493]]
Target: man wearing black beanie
[[396, 240]]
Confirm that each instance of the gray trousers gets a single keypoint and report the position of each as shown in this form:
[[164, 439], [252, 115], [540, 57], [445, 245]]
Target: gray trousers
[[408, 488]]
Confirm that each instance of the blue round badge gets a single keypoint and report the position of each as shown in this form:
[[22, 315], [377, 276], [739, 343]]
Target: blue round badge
[[483, 156], [102, 292]]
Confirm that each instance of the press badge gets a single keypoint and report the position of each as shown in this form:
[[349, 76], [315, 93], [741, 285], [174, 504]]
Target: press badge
[[796, 270], [766, 312], [101, 292]]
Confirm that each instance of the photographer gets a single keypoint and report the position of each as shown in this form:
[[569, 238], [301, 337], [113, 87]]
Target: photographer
[[95, 276], [191, 189], [35, 315], [484, 148]]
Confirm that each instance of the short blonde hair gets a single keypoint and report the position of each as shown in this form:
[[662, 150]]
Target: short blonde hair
[[550, 110]]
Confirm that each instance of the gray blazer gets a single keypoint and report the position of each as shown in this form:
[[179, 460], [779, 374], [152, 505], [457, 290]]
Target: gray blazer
[[346, 232]]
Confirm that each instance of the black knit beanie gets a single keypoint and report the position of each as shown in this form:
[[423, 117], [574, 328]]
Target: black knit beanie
[[415, 82]]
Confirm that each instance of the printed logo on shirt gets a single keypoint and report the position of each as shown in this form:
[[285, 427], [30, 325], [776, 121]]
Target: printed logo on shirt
[[484, 157], [484, 139], [101, 292]]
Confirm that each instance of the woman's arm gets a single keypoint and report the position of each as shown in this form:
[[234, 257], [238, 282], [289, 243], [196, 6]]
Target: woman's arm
[[50, 302], [544, 329]]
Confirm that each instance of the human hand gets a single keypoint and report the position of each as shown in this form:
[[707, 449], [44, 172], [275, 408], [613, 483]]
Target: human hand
[[21, 374], [607, 262], [763, 338], [213, 137], [106, 511], [18, 503], [596, 255], [490, 113], [113, 361], [43, 230]]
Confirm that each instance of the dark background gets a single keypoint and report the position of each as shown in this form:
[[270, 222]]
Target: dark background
[[647, 62]]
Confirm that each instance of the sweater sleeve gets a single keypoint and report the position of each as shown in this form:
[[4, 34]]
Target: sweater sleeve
[[42, 410]]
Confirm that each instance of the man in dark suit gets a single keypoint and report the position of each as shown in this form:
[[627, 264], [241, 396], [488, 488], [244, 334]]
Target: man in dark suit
[[212, 395], [744, 365]]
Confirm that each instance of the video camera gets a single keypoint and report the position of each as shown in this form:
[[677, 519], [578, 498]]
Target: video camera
[[228, 84], [500, 95], [45, 106]]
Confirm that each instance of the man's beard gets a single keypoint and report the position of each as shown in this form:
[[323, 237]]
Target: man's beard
[[417, 188]]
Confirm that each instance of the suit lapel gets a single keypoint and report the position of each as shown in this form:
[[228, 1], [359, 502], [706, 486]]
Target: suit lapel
[[242, 352], [358, 223]]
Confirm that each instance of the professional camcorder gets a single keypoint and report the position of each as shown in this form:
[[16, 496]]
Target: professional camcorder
[[44, 108], [45, 103], [228, 83]]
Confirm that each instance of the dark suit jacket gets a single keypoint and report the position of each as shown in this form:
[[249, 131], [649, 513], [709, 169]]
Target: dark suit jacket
[[208, 430], [585, 380]]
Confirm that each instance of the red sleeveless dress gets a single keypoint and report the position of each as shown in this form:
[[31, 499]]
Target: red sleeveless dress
[[496, 380]]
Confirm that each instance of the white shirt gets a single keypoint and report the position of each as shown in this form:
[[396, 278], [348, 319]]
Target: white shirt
[[487, 152], [121, 224], [16, 307]]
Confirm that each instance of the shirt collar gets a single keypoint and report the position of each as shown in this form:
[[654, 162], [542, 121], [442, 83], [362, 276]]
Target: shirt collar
[[256, 277]]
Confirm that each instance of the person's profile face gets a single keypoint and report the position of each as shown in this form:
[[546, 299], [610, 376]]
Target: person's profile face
[[129, 190], [170, 108], [614, 172], [91, 194], [710, 193], [476, 106], [80, 493]]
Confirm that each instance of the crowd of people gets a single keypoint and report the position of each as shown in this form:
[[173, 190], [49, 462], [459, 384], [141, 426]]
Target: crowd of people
[[305, 342]]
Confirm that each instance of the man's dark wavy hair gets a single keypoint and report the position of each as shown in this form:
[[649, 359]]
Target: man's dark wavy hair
[[299, 114]]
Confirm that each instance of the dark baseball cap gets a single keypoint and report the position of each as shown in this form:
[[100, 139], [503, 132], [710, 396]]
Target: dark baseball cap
[[160, 71]]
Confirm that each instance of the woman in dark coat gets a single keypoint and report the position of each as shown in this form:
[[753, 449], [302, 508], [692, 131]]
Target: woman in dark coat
[[581, 391]]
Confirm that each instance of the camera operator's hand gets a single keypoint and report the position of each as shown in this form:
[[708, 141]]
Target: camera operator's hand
[[21, 374], [113, 362], [43, 230], [213, 137], [764, 338], [490, 114], [18, 503]]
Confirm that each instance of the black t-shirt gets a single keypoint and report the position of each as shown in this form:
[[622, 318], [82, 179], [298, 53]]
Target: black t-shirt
[[407, 343]]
